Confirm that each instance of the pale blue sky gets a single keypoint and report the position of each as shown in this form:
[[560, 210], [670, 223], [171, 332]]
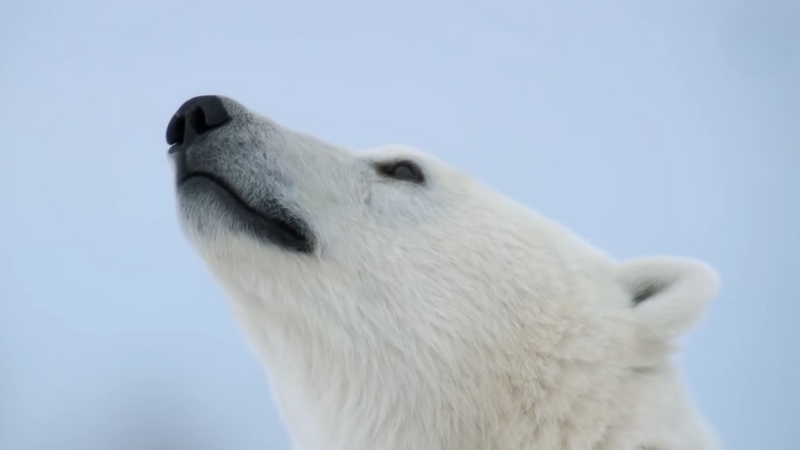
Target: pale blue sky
[[647, 127]]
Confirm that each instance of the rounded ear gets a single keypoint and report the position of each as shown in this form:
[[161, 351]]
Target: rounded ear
[[668, 294]]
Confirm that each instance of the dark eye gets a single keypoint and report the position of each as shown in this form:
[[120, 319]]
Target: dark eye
[[402, 170]]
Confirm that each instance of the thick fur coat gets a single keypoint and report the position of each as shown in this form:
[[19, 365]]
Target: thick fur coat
[[398, 304]]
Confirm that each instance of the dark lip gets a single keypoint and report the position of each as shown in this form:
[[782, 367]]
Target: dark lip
[[275, 224]]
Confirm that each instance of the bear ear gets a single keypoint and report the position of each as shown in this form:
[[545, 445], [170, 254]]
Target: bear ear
[[668, 295]]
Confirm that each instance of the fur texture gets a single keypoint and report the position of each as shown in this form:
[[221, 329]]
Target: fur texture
[[439, 315]]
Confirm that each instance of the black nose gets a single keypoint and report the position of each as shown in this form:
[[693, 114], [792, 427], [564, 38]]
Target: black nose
[[196, 117]]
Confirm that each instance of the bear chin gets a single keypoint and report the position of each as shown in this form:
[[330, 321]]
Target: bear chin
[[270, 222]]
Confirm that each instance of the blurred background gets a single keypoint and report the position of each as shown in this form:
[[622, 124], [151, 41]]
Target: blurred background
[[646, 127]]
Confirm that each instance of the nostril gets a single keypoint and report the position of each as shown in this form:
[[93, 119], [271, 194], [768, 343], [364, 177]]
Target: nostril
[[198, 121], [196, 117], [176, 130]]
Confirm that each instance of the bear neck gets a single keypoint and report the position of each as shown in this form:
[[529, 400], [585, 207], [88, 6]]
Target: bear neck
[[339, 391]]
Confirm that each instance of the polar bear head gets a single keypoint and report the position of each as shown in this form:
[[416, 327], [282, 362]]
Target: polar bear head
[[398, 303]]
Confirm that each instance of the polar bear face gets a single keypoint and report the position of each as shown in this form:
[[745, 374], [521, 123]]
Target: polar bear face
[[398, 303]]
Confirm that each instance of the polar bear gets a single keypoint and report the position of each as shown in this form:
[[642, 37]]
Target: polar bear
[[398, 304]]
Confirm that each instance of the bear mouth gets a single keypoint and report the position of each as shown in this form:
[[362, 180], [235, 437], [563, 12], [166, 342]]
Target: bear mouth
[[273, 223]]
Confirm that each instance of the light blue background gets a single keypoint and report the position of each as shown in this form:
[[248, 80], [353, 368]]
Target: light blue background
[[647, 127]]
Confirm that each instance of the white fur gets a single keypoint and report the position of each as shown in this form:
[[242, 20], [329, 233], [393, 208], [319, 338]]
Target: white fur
[[446, 316]]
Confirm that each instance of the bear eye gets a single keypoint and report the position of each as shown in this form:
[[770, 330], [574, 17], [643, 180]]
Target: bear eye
[[402, 170]]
